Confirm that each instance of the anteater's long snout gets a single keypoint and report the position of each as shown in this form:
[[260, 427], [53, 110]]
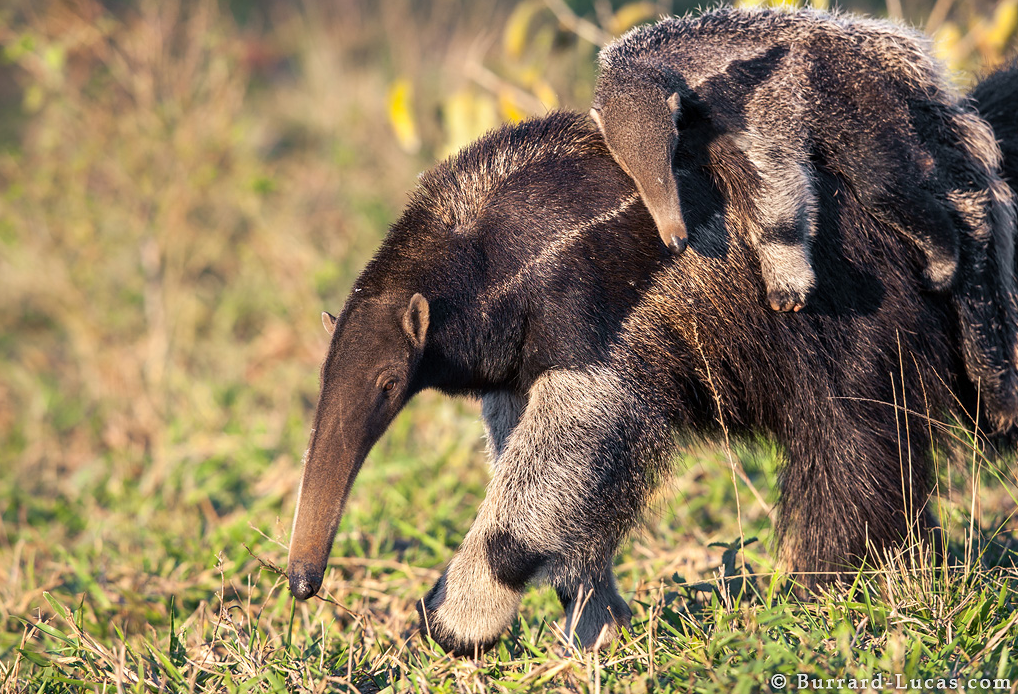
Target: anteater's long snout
[[304, 581], [320, 501], [309, 556]]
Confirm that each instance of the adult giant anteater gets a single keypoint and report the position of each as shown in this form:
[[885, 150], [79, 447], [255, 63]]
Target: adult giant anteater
[[527, 272]]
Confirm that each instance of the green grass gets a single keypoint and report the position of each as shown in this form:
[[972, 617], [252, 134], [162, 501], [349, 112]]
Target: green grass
[[181, 589], [180, 197]]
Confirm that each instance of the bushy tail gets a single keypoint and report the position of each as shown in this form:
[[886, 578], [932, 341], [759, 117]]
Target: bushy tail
[[996, 100], [986, 297]]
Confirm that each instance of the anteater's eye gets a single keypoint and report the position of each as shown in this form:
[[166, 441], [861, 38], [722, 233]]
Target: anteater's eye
[[389, 385]]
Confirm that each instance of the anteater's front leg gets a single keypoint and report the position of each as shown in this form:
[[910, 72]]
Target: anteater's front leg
[[569, 484], [595, 612]]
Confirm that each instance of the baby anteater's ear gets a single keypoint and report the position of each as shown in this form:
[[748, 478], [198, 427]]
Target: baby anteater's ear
[[416, 320], [688, 111], [674, 102]]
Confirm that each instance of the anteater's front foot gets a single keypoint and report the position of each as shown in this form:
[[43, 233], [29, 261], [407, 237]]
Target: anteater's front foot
[[433, 625], [466, 613], [595, 616]]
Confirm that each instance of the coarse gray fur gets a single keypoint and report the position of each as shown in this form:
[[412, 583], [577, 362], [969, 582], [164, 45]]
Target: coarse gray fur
[[782, 92], [501, 411], [539, 497], [595, 612]]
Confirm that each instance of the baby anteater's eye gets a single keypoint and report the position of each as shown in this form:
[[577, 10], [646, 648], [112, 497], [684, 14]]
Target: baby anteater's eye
[[389, 384]]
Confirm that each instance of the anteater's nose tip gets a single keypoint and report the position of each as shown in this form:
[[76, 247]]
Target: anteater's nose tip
[[677, 244], [303, 587]]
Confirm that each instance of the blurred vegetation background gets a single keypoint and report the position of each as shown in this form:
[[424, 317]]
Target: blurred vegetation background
[[184, 187], [186, 184]]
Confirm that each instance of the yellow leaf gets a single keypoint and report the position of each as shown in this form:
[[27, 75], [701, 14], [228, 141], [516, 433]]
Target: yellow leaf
[[1005, 19], [34, 98], [545, 94], [630, 15], [508, 107], [945, 43], [465, 117], [531, 74], [514, 38], [401, 116], [54, 57]]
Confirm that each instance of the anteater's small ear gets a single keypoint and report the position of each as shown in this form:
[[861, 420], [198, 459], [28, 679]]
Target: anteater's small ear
[[415, 320], [596, 117], [674, 103], [329, 321], [686, 111]]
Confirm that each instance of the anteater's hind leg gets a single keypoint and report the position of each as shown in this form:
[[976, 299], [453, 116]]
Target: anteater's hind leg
[[857, 488], [986, 297], [987, 303], [570, 482]]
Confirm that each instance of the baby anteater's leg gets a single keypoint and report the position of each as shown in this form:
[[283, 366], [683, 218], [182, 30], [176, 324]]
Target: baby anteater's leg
[[782, 228], [572, 479], [926, 221], [779, 207]]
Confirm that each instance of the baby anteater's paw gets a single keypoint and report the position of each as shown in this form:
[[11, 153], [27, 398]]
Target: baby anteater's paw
[[786, 299], [787, 274]]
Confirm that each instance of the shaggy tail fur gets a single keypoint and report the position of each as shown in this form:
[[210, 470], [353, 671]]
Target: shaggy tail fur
[[986, 297], [996, 100]]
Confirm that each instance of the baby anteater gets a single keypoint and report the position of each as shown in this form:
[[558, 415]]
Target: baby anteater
[[769, 96]]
